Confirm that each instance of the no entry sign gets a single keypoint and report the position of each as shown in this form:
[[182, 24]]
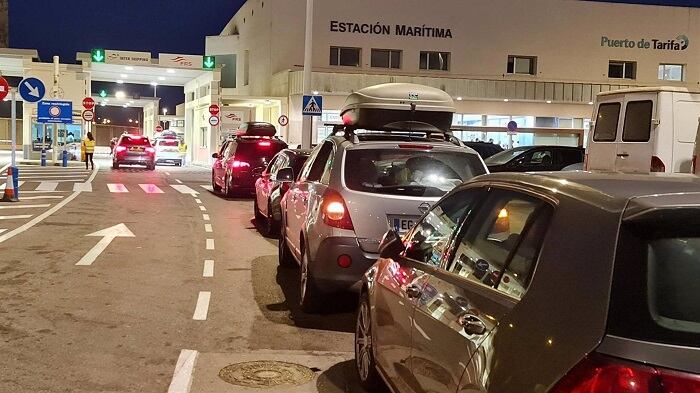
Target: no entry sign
[[214, 109], [159, 128], [88, 115], [4, 88], [88, 103]]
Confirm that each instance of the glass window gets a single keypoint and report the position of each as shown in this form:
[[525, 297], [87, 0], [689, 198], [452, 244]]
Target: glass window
[[606, 123], [386, 58], [317, 167], [671, 72], [431, 236], [498, 246], [522, 65], [539, 157], [439, 61], [637, 121], [349, 57], [204, 137], [622, 69], [571, 156]]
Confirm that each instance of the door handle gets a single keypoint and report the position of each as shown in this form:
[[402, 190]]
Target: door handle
[[413, 291], [623, 155], [472, 324]]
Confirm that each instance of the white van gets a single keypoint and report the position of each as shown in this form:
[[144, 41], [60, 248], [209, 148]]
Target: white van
[[644, 130]]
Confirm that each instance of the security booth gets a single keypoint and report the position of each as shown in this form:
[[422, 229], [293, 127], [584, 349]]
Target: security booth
[[530, 136]]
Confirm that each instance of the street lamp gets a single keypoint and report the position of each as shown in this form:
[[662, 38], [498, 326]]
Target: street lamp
[[165, 111], [155, 88]]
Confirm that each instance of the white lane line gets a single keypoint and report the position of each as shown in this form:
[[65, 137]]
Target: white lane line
[[208, 268], [167, 173], [47, 213], [205, 217], [199, 201], [2, 186], [210, 244], [31, 198], [151, 189], [200, 312], [53, 173], [15, 206], [208, 228], [207, 187], [178, 180], [118, 187], [41, 192], [47, 186], [83, 187], [202, 208], [17, 217], [43, 176], [2, 230], [184, 371], [183, 189]]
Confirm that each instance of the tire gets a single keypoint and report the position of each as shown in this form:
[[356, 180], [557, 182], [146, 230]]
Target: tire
[[271, 226], [365, 364], [258, 215], [309, 295], [214, 186], [115, 165], [228, 192], [284, 254]]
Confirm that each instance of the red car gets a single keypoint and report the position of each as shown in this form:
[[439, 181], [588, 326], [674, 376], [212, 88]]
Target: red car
[[134, 150], [242, 159]]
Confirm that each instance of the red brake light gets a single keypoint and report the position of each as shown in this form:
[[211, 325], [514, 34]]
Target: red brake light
[[334, 211], [264, 143], [150, 150], [657, 165], [414, 146], [240, 164]]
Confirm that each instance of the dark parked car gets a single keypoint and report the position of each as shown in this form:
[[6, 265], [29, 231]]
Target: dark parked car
[[560, 282], [535, 159], [270, 187], [485, 149]]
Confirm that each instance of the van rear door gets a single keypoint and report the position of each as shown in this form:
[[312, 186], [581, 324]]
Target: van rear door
[[602, 146], [635, 146]]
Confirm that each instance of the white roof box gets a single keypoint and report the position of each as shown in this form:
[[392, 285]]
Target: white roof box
[[380, 105]]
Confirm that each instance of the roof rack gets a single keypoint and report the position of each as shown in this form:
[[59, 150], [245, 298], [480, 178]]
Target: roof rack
[[410, 129]]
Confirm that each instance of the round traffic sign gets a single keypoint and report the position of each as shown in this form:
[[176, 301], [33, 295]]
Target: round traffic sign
[[88, 115], [55, 111], [88, 103], [512, 126], [32, 89], [159, 128], [214, 121], [4, 88], [214, 109], [283, 120]]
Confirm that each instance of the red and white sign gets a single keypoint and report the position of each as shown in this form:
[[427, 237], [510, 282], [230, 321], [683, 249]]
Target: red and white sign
[[159, 128], [214, 109], [88, 115], [88, 103], [4, 88], [283, 120], [214, 121]]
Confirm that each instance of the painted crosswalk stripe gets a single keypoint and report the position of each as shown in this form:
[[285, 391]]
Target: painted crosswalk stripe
[[2, 186], [179, 181], [44, 176], [207, 187], [202, 208], [83, 187], [183, 189], [151, 189], [47, 186], [24, 192], [205, 217], [208, 228], [16, 206], [31, 198], [17, 217], [210, 244], [208, 268], [2, 230], [202, 308], [118, 187]]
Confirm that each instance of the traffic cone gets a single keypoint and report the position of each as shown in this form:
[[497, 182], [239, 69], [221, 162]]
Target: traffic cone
[[10, 194]]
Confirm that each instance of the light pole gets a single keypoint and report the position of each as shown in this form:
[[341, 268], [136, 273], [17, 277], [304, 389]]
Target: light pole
[[155, 88], [307, 121]]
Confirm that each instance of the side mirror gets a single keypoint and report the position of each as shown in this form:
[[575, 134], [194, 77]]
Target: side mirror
[[215, 155], [285, 175], [391, 245]]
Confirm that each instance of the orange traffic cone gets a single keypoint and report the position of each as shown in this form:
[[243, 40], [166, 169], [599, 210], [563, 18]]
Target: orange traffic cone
[[10, 194]]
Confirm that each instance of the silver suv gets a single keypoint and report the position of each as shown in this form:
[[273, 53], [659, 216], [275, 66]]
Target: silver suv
[[352, 189]]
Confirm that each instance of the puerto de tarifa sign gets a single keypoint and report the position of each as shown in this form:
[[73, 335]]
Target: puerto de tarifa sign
[[680, 43]]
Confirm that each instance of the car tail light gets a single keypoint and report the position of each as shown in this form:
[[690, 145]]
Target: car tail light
[[414, 146], [150, 150], [585, 162], [602, 374], [264, 143], [120, 149], [344, 261], [657, 165], [334, 211], [240, 164]]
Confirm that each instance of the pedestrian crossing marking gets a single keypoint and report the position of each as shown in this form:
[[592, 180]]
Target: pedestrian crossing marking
[[207, 187], [118, 187], [183, 189], [47, 186], [151, 189], [82, 187], [44, 176], [17, 217], [2, 186], [30, 198], [2, 230], [15, 206]]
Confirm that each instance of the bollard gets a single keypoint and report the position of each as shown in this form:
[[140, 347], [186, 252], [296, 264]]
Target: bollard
[[65, 158], [15, 181], [43, 157]]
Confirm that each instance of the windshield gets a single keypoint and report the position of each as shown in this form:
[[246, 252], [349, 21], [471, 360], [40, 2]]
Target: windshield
[[409, 172], [134, 141], [505, 156]]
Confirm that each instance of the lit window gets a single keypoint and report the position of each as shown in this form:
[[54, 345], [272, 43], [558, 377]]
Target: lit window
[[439, 61], [522, 65], [671, 72]]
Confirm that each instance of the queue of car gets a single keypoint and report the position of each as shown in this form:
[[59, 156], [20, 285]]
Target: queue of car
[[477, 282]]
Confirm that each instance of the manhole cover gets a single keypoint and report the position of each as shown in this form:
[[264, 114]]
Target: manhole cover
[[265, 374]]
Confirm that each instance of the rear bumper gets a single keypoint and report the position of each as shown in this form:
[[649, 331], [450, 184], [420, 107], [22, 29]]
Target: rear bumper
[[136, 160], [328, 276]]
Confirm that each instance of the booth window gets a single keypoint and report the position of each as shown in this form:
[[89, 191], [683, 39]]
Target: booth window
[[622, 69], [672, 72], [386, 58], [522, 65], [349, 57], [439, 61]]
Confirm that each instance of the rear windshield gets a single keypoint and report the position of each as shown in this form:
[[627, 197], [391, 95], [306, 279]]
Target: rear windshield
[[505, 156], [606, 122], [131, 141], [656, 286], [409, 172], [263, 148], [174, 143]]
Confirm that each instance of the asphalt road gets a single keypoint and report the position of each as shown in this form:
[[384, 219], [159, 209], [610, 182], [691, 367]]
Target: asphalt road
[[184, 281]]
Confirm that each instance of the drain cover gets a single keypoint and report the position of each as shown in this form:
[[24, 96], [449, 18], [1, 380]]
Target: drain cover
[[265, 374]]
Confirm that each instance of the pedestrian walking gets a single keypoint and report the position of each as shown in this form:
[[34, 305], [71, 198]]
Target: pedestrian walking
[[89, 149]]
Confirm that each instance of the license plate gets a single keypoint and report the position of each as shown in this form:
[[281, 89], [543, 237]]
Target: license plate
[[402, 224], [136, 149]]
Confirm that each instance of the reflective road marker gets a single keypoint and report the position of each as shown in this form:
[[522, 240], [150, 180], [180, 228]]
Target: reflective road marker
[[210, 244], [200, 312], [208, 268], [117, 187]]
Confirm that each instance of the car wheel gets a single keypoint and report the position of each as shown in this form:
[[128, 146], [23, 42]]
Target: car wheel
[[365, 364], [309, 295], [214, 186], [115, 165], [284, 254], [271, 226], [256, 209]]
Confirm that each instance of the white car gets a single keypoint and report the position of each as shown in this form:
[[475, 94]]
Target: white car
[[168, 151]]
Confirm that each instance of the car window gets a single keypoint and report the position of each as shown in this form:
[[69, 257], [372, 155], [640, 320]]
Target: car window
[[606, 123], [430, 238], [538, 157], [571, 156], [505, 156], [134, 141], [498, 246], [276, 164], [320, 162], [230, 150], [637, 121]]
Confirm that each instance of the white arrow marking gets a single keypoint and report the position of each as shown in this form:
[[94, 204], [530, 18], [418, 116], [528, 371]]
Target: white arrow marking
[[33, 91], [107, 235]]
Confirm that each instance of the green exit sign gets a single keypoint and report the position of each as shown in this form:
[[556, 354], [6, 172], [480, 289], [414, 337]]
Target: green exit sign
[[98, 55], [209, 62], [103, 93]]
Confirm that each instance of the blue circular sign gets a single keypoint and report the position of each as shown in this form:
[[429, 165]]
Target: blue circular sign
[[512, 126], [32, 89]]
